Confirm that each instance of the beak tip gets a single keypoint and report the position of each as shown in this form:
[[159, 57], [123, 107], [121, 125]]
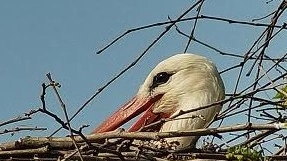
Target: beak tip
[[131, 109]]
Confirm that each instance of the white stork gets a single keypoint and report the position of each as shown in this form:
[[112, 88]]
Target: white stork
[[179, 83]]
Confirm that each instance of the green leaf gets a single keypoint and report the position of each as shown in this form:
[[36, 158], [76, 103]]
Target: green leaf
[[280, 95], [242, 153]]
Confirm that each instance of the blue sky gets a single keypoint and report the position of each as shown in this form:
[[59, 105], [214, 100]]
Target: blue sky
[[62, 37]]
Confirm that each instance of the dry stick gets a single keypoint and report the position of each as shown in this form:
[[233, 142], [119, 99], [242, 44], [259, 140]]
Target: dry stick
[[203, 156], [65, 113], [42, 96], [270, 28], [268, 38], [205, 44], [13, 120], [275, 103], [179, 19], [264, 87], [240, 22], [230, 110], [277, 157], [260, 141], [44, 110], [155, 135], [246, 58], [22, 129], [73, 153], [191, 155], [275, 88], [194, 26], [277, 64], [253, 141], [235, 89], [247, 95], [281, 59], [237, 136], [280, 151], [256, 91], [215, 49], [132, 64], [89, 158], [231, 68], [211, 47], [131, 156], [53, 153], [262, 48], [232, 21], [17, 119], [221, 52], [104, 156], [269, 140], [161, 121], [250, 86], [231, 54], [183, 20], [233, 106], [265, 102], [264, 17], [260, 118], [274, 80], [229, 114], [266, 133], [146, 135], [40, 150], [54, 143], [274, 65], [265, 114]]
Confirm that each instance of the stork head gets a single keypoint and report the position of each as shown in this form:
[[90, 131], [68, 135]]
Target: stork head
[[180, 82]]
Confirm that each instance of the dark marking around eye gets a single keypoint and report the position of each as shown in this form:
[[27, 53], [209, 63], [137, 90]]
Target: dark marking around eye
[[160, 78]]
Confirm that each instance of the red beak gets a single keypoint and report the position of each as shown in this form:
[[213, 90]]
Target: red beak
[[131, 109]]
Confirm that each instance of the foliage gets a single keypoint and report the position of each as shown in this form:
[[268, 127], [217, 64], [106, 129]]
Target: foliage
[[243, 153], [281, 94]]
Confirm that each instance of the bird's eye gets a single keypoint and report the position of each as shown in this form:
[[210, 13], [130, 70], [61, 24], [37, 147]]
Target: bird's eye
[[160, 78]]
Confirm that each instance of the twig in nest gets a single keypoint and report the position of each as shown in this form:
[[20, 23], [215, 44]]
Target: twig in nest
[[16, 129]]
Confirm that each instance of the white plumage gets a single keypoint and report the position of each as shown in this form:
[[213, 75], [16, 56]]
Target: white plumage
[[181, 82]]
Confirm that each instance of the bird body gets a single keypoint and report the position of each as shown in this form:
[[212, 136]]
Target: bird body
[[179, 83]]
